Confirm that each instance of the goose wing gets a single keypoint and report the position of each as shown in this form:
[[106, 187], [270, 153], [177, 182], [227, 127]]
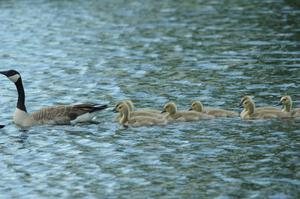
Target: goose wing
[[80, 109], [62, 114]]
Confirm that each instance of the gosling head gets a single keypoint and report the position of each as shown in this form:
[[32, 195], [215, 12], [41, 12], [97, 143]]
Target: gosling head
[[127, 102], [196, 106], [121, 108], [247, 103], [286, 101], [12, 75], [170, 108], [117, 106], [246, 97]]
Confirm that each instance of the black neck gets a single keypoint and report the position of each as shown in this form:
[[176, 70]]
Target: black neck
[[21, 95]]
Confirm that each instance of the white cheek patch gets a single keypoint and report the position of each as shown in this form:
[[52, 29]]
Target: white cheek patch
[[14, 78]]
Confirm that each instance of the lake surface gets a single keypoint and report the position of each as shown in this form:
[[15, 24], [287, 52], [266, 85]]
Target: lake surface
[[151, 52]]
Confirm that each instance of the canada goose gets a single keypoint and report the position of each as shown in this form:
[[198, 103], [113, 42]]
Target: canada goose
[[198, 106], [1, 126], [287, 103], [61, 114], [183, 116], [247, 97], [142, 112], [250, 112], [129, 120]]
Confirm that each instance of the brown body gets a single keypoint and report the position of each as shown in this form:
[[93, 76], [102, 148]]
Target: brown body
[[129, 120], [183, 116], [198, 106]]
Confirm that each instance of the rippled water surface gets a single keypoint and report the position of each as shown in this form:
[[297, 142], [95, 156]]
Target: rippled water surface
[[151, 52]]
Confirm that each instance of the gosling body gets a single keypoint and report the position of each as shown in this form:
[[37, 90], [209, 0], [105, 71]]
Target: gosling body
[[198, 107], [136, 121], [183, 116], [143, 112]]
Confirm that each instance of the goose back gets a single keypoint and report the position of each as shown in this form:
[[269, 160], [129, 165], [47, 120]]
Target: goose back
[[64, 114]]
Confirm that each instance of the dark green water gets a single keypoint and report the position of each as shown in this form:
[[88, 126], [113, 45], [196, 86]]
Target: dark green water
[[151, 52]]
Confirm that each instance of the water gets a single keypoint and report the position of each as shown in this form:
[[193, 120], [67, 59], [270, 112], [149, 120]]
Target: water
[[151, 52]]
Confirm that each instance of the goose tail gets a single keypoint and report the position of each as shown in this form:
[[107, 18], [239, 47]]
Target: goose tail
[[98, 108]]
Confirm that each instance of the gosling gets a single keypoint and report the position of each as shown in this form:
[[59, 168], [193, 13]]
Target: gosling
[[143, 112], [247, 97], [287, 103], [183, 116], [198, 107], [250, 112], [136, 121]]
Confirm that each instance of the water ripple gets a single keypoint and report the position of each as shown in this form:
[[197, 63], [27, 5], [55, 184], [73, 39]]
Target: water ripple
[[151, 52]]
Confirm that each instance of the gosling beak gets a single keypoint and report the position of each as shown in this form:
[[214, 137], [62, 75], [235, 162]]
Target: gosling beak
[[190, 109], [115, 110], [279, 104], [163, 111]]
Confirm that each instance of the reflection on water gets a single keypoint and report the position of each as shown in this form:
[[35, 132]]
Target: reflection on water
[[151, 52]]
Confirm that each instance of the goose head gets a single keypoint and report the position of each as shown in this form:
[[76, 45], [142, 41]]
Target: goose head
[[12, 75], [196, 106], [286, 101], [170, 108]]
